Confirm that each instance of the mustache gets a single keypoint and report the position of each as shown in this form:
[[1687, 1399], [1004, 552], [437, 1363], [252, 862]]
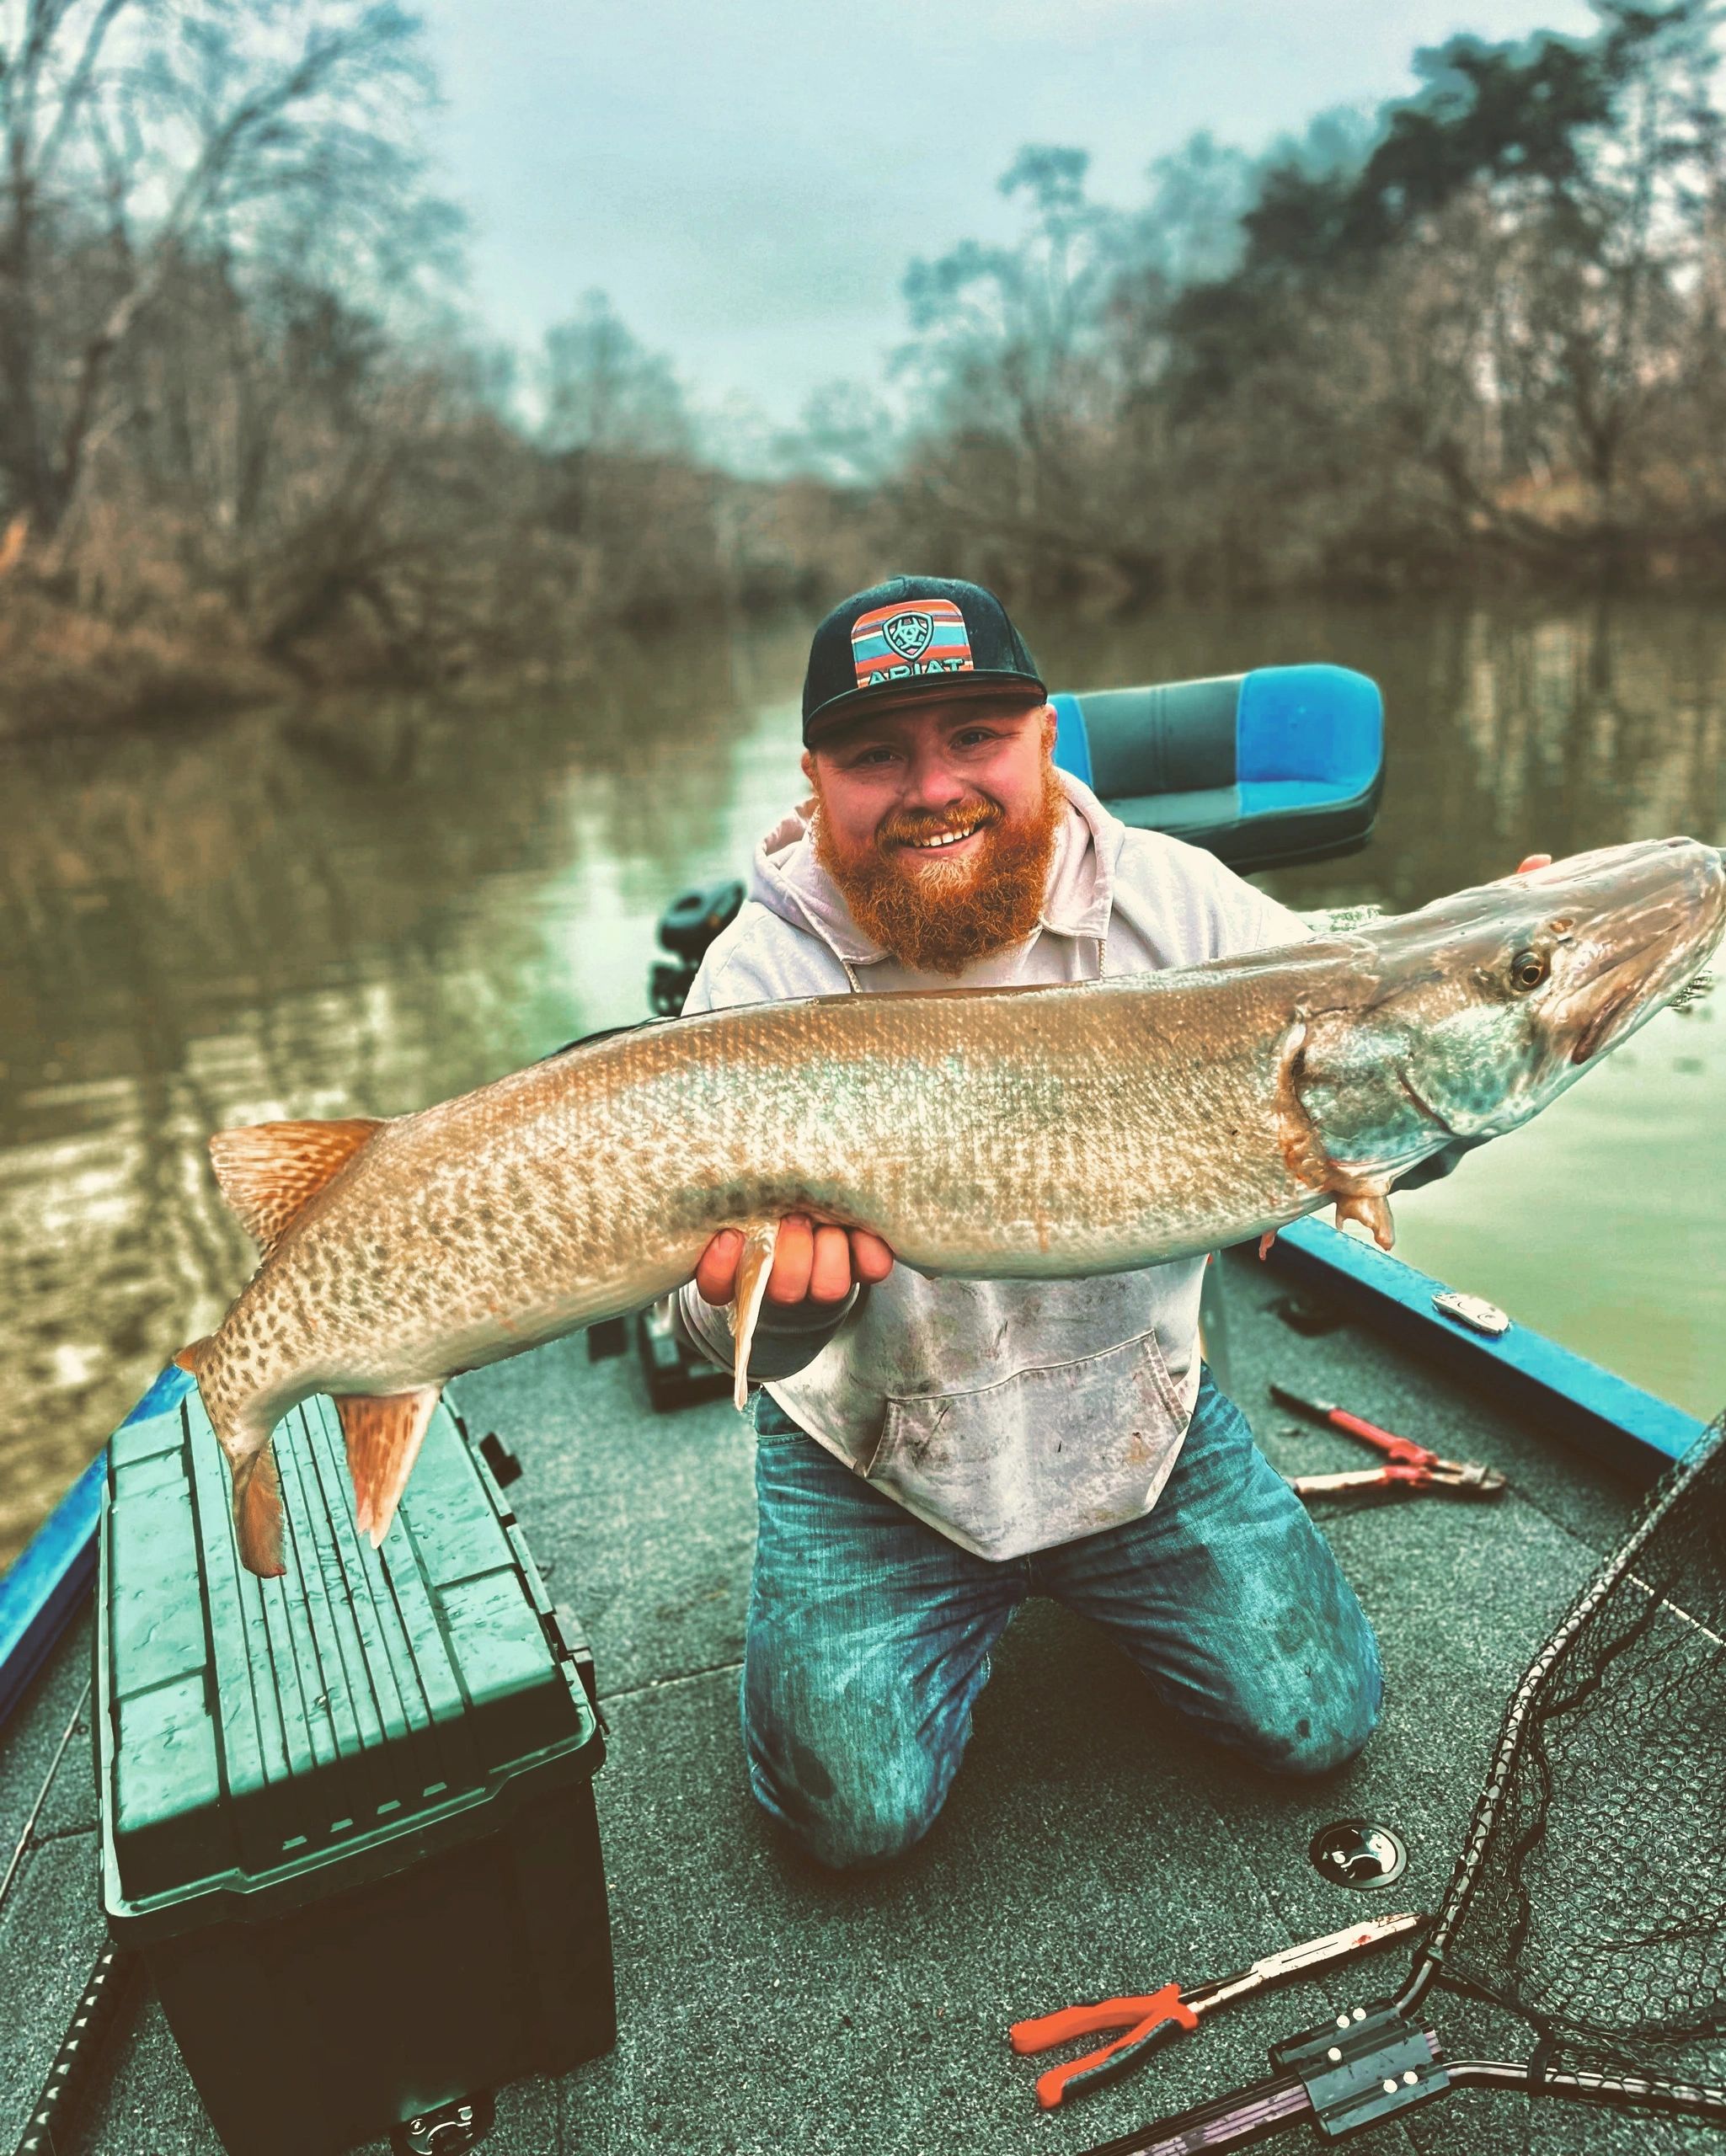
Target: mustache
[[910, 826]]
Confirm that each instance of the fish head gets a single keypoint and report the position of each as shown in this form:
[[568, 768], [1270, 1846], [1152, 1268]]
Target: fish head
[[1472, 1014]]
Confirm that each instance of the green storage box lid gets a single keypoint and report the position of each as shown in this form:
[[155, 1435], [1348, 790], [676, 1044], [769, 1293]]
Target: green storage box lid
[[264, 1741]]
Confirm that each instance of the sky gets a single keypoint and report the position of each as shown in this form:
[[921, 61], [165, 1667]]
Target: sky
[[748, 182]]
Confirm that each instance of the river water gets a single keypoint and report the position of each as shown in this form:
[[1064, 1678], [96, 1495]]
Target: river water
[[365, 906]]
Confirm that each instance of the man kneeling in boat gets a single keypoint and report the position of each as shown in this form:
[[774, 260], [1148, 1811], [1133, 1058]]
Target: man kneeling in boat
[[931, 1453]]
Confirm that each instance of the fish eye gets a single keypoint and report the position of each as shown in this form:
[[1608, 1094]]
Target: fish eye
[[1528, 969]]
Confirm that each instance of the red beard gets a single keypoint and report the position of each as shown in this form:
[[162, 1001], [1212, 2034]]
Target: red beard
[[936, 916]]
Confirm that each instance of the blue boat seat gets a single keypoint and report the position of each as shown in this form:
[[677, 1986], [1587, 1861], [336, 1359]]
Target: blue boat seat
[[1285, 763]]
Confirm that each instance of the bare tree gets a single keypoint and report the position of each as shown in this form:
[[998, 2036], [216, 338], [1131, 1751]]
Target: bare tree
[[136, 134], [605, 390]]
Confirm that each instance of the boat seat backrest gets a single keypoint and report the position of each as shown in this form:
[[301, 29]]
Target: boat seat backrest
[[1177, 737]]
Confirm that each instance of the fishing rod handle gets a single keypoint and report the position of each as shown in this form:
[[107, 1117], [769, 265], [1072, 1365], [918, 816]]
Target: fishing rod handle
[[1251, 2114]]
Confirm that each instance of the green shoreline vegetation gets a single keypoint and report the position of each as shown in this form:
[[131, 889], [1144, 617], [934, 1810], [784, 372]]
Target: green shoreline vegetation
[[254, 445]]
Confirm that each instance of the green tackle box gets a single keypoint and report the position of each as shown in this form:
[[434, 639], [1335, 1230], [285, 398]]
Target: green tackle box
[[347, 1815]]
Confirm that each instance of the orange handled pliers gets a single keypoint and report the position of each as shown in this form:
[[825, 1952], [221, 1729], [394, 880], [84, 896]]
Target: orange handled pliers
[[1157, 2016], [1407, 1465]]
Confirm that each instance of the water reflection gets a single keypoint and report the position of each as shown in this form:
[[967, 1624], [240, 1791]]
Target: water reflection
[[368, 905]]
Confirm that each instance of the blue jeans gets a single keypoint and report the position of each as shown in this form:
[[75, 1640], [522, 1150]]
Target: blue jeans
[[869, 1633]]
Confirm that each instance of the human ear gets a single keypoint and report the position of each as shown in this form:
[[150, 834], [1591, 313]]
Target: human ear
[[809, 768]]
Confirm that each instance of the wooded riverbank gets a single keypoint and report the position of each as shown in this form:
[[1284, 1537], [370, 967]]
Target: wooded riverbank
[[254, 444]]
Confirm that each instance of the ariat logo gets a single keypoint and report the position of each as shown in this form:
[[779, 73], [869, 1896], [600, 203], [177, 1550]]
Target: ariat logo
[[895, 641], [908, 634]]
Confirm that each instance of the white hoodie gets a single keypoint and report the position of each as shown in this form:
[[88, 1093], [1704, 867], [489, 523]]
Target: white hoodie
[[1011, 1415]]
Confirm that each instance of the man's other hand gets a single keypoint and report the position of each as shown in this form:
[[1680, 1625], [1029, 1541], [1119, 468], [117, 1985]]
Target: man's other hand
[[811, 1263]]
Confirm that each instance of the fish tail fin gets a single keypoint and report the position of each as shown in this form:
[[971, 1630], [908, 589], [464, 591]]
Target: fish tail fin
[[754, 1268], [257, 1513], [382, 1433], [257, 1484]]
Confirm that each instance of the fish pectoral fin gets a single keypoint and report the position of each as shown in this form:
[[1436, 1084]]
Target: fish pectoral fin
[[754, 1269], [257, 1513], [1371, 1208], [268, 1171], [190, 1357], [382, 1433]]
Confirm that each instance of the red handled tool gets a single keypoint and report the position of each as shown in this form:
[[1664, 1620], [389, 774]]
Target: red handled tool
[[1413, 1466], [1158, 2016]]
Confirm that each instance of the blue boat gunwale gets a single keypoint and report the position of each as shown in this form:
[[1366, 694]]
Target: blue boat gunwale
[[1631, 1430]]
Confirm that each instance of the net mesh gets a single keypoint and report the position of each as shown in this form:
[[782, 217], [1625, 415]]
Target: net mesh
[[1588, 1911]]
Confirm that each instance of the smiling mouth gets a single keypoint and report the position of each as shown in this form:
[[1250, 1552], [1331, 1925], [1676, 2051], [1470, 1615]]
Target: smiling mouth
[[942, 839]]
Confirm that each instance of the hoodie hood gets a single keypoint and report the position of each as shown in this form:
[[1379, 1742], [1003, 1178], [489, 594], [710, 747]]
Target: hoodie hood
[[787, 878]]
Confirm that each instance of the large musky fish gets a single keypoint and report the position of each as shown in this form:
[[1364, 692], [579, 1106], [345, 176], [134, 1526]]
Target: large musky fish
[[990, 1132]]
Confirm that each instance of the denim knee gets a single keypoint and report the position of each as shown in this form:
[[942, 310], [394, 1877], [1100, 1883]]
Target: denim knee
[[1316, 1728], [849, 1830]]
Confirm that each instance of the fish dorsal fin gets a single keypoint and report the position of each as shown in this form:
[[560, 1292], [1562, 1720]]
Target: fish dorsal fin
[[268, 1171]]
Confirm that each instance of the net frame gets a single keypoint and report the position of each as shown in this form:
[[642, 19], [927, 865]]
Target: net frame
[[1272, 2107], [1546, 1671]]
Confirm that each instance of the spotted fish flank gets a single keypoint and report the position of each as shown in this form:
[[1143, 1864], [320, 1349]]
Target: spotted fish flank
[[1050, 1132]]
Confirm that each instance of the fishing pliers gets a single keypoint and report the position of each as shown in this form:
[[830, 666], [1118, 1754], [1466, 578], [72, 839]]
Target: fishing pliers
[[1158, 2016], [1407, 1464]]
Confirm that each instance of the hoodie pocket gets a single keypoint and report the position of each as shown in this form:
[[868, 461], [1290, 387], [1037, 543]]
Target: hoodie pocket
[[1041, 1456]]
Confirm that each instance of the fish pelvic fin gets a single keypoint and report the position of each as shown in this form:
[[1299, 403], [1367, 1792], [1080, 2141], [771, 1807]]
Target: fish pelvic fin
[[268, 1172], [754, 1268], [257, 1513], [193, 1358], [384, 1432], [1371, 1208]]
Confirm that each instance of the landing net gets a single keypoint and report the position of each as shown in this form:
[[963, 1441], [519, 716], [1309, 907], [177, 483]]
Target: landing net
[[1583, 1942], [1586, 1920]]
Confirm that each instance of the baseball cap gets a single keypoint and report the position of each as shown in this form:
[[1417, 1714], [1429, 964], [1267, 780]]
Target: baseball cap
[[910, 640]]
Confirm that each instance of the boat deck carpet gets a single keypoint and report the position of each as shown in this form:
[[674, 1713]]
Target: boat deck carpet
[[1090, 1845]]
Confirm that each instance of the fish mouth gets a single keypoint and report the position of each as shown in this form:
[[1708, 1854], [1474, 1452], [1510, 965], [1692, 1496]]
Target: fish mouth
[[1633, 985], [1600, 1023], [1671, 900]]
